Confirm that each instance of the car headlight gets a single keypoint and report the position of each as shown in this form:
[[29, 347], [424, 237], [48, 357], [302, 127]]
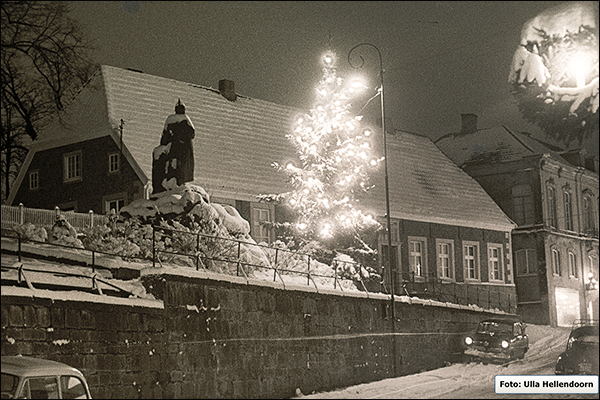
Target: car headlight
[[504, 344], [469, 340]]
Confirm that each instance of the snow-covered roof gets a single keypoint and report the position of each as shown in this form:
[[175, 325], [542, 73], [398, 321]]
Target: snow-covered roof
[[236, 143], [425, 185], [498, 144]]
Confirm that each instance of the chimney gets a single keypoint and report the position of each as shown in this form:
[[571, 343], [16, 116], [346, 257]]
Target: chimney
[[227, 89], [469, 123]]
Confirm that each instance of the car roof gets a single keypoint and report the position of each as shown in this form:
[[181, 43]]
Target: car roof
[[31, 366], [585, 330]]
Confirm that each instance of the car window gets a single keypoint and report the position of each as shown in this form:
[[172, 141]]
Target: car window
[[494, 327], [45, 387], [9, 385], [587, 339], [72, 388]]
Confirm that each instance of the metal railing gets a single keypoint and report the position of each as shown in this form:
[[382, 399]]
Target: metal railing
[[94, 287], [227, 255], [230, 256]]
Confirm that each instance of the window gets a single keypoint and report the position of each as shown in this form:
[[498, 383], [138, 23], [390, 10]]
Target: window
[[386, 264], [526, 260], [68, 206], [114, 201], [572, 265], [114, 162], [72, 167], [495, 264], [551, 206], [568, 211], [445, 258], [589, 222], [522, 198], [260, 231], [34, 180], [417, 257], [72, 388], [471, 260], [394, 226], [556, 262], [115, 205], [39, 388]]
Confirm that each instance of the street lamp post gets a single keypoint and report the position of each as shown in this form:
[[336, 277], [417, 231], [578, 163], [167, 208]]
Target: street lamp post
[[387, 190]]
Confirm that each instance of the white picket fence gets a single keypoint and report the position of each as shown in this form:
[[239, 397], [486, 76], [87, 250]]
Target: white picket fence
[[18, 215]]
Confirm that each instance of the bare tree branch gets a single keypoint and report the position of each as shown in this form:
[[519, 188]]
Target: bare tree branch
[[44, 62]]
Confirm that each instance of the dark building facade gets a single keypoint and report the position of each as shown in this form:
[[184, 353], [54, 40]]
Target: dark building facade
[[553, 197]]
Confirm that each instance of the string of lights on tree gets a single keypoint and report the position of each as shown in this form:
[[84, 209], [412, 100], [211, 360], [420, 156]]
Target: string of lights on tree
[[336, 158]]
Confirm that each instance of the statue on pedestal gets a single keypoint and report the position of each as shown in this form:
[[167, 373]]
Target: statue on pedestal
[[174, 158]]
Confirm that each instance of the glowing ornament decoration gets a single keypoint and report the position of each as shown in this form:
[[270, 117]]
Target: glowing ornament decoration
[[554, 71]]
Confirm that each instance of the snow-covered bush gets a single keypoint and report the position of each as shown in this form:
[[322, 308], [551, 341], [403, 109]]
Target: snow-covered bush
[[31, 232]]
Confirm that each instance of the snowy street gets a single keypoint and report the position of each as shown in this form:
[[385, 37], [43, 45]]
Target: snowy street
[[468, 381]]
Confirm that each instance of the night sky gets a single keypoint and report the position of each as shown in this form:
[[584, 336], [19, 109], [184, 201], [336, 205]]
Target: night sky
[[441, 58]]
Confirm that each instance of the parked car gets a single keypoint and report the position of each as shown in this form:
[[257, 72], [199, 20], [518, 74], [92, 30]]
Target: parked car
[[581, 354], [36, 378], [497, 339]]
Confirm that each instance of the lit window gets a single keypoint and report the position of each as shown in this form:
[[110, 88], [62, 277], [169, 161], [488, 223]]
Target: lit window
[[572, 265], [113, 162], [261, 232], [34, 180], [556, 262], [471, 260], [417, 257], [445, 258], [526, 262], [72, 167], [495, 264]]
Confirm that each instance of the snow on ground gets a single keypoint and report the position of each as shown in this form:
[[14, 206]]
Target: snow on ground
[[467, 381]]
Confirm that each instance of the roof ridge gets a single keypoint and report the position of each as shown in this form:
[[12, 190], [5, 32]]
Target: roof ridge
[[196, 85]]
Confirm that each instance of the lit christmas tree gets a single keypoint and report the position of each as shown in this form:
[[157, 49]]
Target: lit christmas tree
[[336, 160]]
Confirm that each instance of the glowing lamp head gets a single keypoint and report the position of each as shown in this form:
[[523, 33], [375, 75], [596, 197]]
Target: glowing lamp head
[[504, 344], [328, 59], [468, 340], [357, 85], [579, 65]]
